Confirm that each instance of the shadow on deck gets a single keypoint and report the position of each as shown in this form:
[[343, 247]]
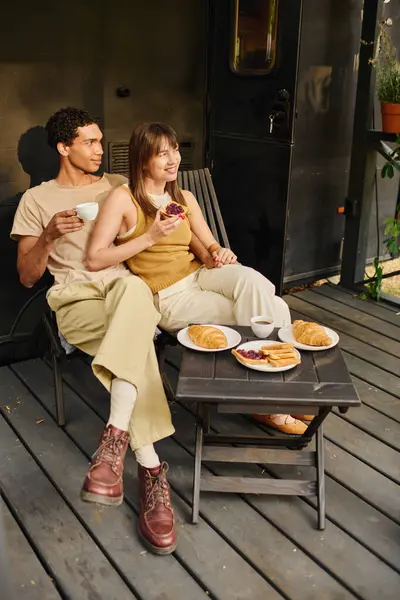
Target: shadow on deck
[[244, 547]]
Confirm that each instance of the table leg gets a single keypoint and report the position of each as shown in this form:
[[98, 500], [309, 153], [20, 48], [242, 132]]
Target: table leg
[[197, 466], [314, 425], [320, 477]]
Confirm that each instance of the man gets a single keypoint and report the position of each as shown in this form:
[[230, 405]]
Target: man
[[108, 314]]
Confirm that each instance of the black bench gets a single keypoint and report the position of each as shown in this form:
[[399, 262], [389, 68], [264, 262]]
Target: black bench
[[200, 184]]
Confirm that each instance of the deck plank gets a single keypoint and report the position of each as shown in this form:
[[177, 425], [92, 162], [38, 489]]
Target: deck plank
[[194, 543], [351, 314], [373, 423], [333, 547], [373, 452], [347, 510], [377, 399], [305, 521], [29, 579], [374, 309], [387, 382], [244, 546], [390, 306], [117, 535], [77, 564], [365, 522], [263, 544], [337, 322]]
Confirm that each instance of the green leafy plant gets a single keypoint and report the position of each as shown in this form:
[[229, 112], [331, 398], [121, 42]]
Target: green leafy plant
[[393, 162], [392, 230], [375, 284], [387, 68]]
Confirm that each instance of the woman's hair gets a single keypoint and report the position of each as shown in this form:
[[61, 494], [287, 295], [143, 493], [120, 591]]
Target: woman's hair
[[146, 141]]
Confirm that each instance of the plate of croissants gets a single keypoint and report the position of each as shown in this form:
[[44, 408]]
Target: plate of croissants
[[209, 338], [268, 356], [306, 335]]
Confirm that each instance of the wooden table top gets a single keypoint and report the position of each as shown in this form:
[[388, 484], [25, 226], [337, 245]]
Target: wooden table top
[[322, 379]]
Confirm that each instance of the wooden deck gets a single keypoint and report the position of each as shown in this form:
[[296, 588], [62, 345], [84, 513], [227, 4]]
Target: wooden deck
[[244, 547]]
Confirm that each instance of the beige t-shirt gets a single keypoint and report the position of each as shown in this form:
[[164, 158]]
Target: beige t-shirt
[[39, 204]]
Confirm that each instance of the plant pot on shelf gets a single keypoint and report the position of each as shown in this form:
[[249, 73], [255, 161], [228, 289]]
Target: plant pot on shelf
[[390, 117]]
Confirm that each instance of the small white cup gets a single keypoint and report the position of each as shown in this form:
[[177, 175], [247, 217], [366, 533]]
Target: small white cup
[[262, 326], [87, 211]]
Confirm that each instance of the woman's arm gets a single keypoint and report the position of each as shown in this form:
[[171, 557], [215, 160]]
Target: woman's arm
[[101, 253], [201, 252], [200, 228]]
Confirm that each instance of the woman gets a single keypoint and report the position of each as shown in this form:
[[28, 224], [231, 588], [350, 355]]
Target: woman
[[157, 249]]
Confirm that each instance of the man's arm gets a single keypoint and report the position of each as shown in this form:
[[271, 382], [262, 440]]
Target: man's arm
[[33, 252]]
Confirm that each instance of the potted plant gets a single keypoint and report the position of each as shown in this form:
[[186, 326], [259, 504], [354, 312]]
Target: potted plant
[[388, 81]]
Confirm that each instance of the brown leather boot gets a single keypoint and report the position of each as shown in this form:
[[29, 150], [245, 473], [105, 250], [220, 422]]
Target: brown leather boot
[[156, 518], [103, 482]]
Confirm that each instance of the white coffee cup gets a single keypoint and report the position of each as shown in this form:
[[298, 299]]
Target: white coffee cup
[[87, 211], [262, 326]]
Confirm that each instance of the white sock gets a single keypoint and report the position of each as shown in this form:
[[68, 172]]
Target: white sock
[[147, 456], [123, 398]]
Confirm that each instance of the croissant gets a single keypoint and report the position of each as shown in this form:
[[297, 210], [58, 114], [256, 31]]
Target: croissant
[[311, 334], [206, 336], [172, 209]]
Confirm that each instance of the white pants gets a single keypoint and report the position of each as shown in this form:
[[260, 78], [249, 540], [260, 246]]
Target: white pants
[[230, 295]]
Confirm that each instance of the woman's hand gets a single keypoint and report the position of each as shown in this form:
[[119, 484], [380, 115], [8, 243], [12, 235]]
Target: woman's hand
[[210, 263], [162, 228], [224, 256]]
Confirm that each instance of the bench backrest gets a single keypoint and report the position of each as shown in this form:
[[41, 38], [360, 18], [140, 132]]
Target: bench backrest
[[200, 184]]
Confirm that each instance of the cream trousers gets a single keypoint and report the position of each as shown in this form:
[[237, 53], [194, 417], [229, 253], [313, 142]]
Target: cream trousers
[[115, 322], [230, 295]]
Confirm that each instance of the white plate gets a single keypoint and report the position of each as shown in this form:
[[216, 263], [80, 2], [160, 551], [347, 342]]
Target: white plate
[[257, 345], [233, 337], [285, 334]]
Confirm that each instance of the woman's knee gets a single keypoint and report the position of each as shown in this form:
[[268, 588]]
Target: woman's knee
[[250, 277], [282, 312]]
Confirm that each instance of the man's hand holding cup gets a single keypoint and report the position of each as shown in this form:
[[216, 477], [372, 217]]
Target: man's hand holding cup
[[66, 221]]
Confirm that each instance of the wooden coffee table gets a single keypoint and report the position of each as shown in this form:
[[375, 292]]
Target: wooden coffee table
[[320, 383]]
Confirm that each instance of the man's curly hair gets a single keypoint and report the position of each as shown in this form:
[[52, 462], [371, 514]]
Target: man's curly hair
[[63, 125]]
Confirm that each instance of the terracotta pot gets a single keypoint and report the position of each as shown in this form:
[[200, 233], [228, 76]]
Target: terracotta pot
[[390, 117]]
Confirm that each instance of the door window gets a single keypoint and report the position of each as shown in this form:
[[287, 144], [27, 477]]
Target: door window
[[254, 36]]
